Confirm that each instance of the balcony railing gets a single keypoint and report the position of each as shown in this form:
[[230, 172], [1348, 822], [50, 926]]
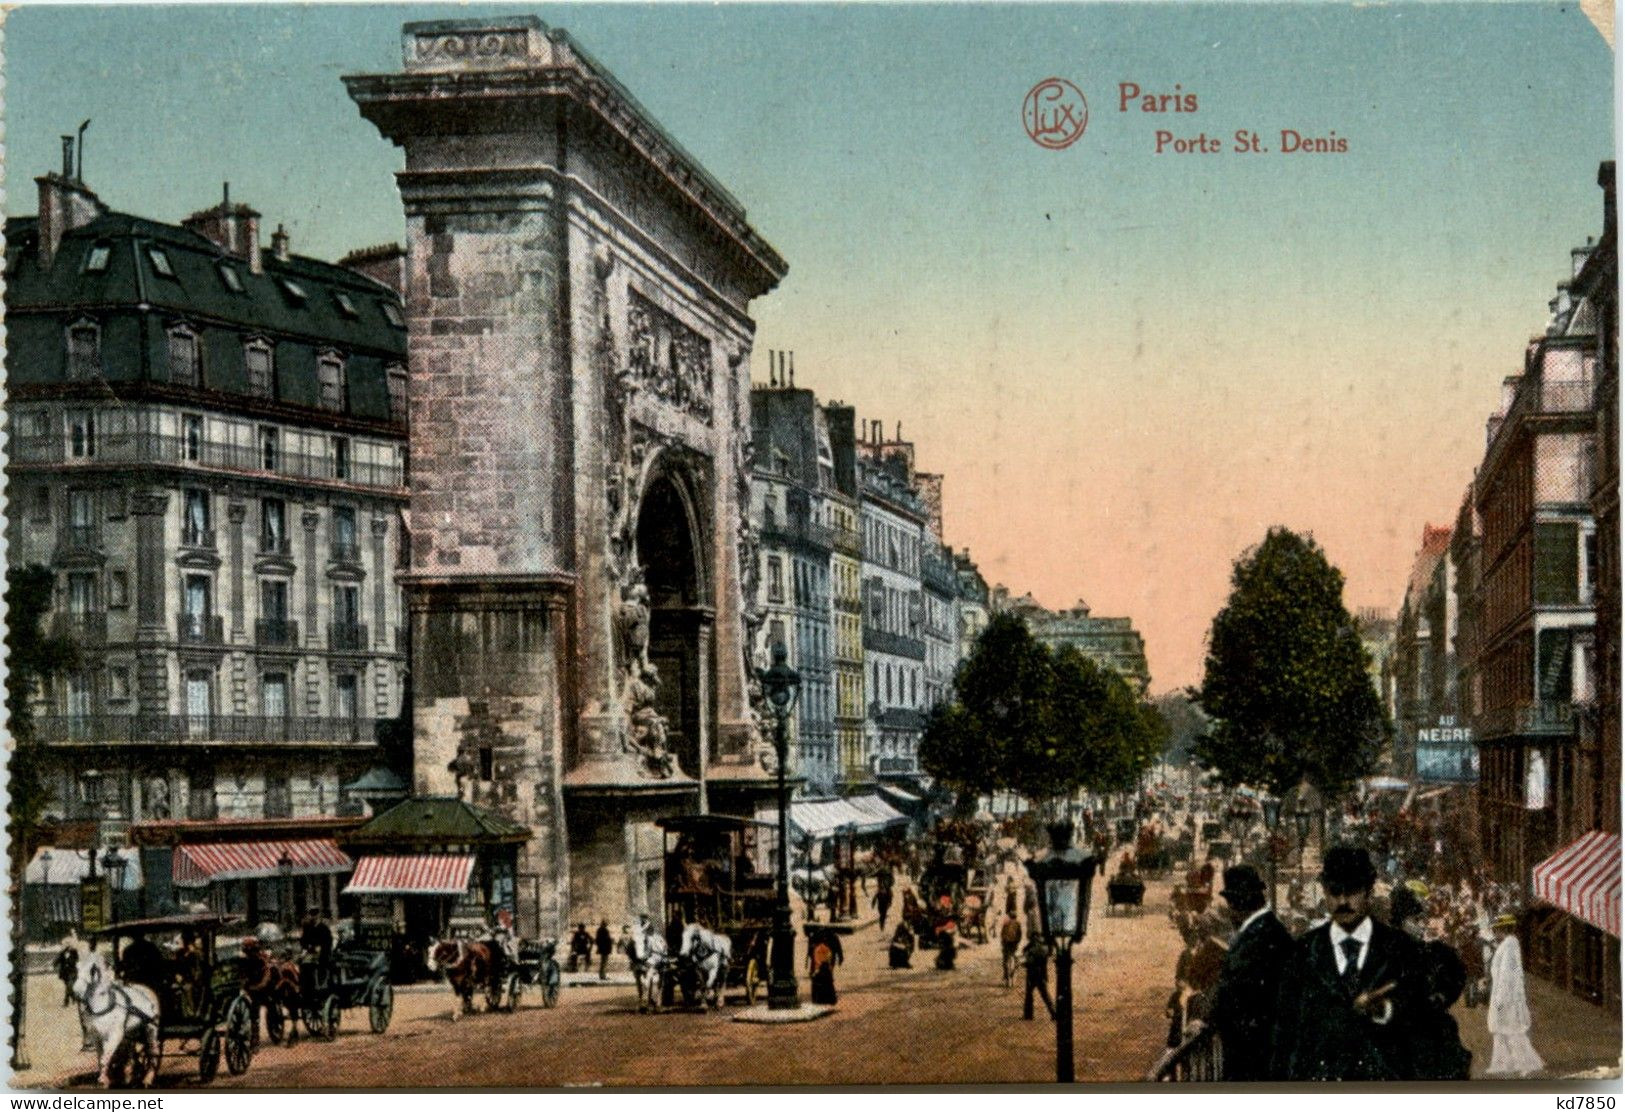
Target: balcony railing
[[275, 546], [347, 637], [800, 531], [935, 573], [848, 542], [87, 627], [155, 448], [80, 538], [895, 766], [180, 729], [199, 629], [276, 633], [197, 538], [346, 552], [894, 643]]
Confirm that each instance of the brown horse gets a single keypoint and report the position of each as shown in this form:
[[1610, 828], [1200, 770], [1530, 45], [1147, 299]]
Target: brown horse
[[272, 986], [468, 966]]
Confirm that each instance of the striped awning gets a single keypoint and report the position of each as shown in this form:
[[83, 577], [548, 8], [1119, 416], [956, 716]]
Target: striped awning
[[206, 863], [415, 874], [1583, 879]]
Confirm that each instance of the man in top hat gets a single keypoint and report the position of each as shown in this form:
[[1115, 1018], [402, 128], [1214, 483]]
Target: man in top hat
[[1351, 990], [1250, 982]]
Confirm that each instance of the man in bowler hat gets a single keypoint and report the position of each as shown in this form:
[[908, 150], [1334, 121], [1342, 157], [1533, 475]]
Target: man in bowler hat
[[1250, 982], [1352, 989]]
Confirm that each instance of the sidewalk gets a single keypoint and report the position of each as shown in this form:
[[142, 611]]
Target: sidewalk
[[1571, 1035]]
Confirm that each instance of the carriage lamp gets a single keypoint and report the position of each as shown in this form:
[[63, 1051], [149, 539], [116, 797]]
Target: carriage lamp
[[1064, 879], [781, 684]]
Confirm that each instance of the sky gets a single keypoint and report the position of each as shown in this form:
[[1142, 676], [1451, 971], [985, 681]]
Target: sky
[[1128, 365]]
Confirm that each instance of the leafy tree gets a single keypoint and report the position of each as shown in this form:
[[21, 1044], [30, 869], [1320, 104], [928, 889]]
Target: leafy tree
[[1285, 679], [1185, 723], [997, 717], [32, 655]]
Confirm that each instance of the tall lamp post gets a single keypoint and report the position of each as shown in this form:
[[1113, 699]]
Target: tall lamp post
[[1305, 800], [113, 868], [284, 867], [1063, 878], [781, 684], [1272, 818]]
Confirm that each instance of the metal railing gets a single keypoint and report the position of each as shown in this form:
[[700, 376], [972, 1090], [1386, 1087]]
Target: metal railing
[[158, 448], [180, 729], [79, 538], [205, 629], [197, 538], [276, 632], [346, 552], [88, 627], [347, 637], [803, 531], [896, 765], [894, 643], [275, 546]]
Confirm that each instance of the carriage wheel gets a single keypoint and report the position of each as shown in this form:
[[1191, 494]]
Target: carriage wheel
[[208, 1056], [381, 1006], [276, 1023], [329, 1028], [753, 981], [515, 990], [550, 986], [132, 1067], [239, 1036]]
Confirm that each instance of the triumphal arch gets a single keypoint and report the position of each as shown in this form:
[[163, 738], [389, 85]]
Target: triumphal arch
[[579, 344]]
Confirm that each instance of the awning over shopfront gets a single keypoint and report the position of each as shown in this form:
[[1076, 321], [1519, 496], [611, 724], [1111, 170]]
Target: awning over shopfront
[[881, 814], [822, 818], [412, 874], [1583, 879], [53, 866], [208, 862], [907, 799]]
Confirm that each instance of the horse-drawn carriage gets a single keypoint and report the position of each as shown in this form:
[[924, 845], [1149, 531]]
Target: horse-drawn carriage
[[357, 978], [718, 877], [535, 967], [197, 996]]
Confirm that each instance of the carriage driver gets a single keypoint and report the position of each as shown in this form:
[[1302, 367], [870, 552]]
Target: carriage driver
[[316, 940]]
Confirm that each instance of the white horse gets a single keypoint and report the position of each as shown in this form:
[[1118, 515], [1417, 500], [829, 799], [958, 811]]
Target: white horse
[[647, 950], [115, 1013], [710, 953]]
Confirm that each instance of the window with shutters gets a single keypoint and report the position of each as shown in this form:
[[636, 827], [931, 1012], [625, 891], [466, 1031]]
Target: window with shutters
[[330, 371], [184, 360], [84, 351], [81, 433], [258, 361]]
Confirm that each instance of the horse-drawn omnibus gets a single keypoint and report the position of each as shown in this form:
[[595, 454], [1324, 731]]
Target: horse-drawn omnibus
[[200, 998], [719, 874]]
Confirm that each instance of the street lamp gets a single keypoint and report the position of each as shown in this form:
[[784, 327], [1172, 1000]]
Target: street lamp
[[113, 868], [1304, 802], [284, 866], [1063, 878], [781, 684], [1272, 818]]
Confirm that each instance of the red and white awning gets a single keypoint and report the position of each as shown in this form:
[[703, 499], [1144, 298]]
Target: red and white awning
[[418, 874], [197, 865], [1583, 879]]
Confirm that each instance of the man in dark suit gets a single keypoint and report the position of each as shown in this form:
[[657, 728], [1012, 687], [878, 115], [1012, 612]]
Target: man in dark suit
[[1351, 989], [1250, 983]]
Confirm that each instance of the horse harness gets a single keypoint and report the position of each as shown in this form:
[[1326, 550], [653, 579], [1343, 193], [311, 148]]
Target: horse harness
[[116, 994]]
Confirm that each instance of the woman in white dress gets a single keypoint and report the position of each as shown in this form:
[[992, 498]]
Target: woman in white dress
[[1509, 1019]]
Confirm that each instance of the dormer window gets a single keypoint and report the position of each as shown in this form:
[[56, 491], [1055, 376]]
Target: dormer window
[[330, 371], [294, 290], [184, 360], [230, 278], [84, 350], [392, 313], [161, 265], [261, 370], [346, 305], [96, 258]]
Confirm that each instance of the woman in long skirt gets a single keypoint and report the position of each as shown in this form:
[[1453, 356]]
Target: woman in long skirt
[[1509, 1019]]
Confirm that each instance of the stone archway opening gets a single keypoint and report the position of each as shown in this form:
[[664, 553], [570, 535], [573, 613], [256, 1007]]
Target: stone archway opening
[[679, 619]]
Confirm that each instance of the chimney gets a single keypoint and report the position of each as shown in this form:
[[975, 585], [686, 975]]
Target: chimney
[[899, 432], [235, 229], [792, 370], [279, 244], [384, 263], [64, 204]]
